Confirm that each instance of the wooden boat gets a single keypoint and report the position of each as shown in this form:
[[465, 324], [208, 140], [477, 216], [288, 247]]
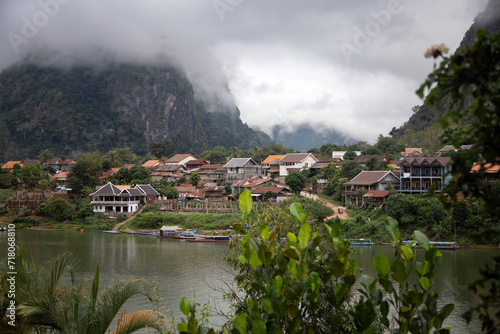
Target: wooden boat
[[106, 231], [168, 231], [436, 244], [183, 236], [360, 242]]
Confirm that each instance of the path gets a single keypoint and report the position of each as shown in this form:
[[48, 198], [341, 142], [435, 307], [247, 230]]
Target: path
[[117, 226], [335, 208]]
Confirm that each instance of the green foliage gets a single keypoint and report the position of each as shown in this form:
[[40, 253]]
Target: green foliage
[[349, 169], [7, 180], [162, 149], [30, 176], [25, 222], [415, 305], [194, 179], [59, 208], [44, 304], [216, 156], [469, 80], [350, 155], [296, 181], [85, 172]]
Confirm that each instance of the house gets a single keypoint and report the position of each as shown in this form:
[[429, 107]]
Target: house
[[32, 162], [340, 154], [195, 164], [211, 173], [241, 168], [10, 165], [365, 182], [271, 166], [151, 164], [278, 194], [105, 176], [190, 193], [113, 200], [61, 164], [491, 171], [448, 148], [169, 172], [362, 159], [215, 193], [377, 198], [150, 192], [294, 162], [418, 174], [412, 152], [180, 159], [238, 186], [61, 178]]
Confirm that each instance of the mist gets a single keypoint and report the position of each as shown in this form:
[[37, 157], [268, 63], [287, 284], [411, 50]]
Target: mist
[[350, 67]]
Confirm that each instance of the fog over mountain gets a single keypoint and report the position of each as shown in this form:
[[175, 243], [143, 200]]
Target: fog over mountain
[[334, 65]]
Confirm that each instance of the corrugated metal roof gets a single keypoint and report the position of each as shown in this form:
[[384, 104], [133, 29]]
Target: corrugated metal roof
[[239, 162], [377, 193]]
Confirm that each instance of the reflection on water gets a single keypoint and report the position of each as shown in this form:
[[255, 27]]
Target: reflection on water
[[182, 267]]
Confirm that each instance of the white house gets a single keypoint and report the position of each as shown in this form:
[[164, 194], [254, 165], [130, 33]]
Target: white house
[[340, 154], [294, 162], [113, 200]]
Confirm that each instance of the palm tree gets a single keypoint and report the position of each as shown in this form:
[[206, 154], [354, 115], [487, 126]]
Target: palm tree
[[44, 156], [46, 306], [114, 157]]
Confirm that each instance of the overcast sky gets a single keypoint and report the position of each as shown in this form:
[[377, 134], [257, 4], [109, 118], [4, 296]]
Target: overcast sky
[[352, 66]]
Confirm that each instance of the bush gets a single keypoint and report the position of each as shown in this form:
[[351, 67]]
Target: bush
[[59, 208], [25, 222]]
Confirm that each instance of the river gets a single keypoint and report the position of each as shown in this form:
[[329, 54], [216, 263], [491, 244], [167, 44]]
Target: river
[[185, 269]]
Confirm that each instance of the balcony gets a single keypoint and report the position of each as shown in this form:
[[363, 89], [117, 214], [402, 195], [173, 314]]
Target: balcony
[[114, 202]]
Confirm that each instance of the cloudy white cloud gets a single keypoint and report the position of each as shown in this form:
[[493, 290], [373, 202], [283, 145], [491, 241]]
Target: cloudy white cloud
[[352, 66]]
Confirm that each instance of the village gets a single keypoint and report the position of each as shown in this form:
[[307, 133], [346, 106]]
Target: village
[[413, 173]]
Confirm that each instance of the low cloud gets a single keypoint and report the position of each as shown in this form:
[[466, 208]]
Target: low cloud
[[352, 67]]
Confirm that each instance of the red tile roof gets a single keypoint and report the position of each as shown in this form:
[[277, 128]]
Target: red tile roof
[[377, 193]]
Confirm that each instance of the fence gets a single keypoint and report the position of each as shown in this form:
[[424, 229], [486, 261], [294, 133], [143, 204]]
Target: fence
[[208, 207]]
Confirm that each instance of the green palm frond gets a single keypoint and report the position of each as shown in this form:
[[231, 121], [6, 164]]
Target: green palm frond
[[113, 298]]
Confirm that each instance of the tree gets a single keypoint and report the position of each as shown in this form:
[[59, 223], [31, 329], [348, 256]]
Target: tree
[[350, 155], [217, 156], [30, 176], [85, 172], [114, 157], [268, 194], [59, 208], [162, 149], [350, 168], [44, 156], [167, 190], [296, 181], [372, 163], [139, 173], [194, 178], [469, 81], [44, 304]]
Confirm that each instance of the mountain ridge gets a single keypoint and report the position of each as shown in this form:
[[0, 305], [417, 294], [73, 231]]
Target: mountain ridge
[[82, 109]]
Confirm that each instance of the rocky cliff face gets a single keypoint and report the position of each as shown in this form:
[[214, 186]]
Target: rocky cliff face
[[84, 109]]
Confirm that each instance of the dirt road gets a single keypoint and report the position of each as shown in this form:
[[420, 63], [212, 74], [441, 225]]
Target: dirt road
[[335, 208]]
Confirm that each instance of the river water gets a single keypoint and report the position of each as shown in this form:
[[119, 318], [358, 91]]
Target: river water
[[198, 269]]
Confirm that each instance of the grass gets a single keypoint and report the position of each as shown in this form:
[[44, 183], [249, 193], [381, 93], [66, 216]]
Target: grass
[[5, 193], [198, 221]]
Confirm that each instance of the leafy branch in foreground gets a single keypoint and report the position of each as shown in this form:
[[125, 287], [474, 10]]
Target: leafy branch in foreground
[[304, 284]]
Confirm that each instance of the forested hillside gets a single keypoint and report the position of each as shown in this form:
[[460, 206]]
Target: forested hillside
[[83, 109], [423, 129]]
